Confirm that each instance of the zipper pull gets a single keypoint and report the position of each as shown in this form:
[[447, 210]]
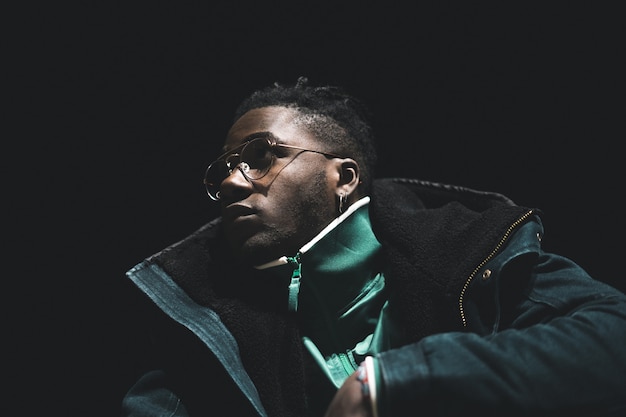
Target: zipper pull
[[294, 285]]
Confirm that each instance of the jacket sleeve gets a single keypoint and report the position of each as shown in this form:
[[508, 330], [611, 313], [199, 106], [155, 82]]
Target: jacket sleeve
[[557, 348]]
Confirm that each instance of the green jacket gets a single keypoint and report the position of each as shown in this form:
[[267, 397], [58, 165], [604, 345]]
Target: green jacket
[[484, 320]]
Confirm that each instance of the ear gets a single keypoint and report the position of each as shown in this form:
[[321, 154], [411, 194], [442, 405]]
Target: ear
[[349, 178]]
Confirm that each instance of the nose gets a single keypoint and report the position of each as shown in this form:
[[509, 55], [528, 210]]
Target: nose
[[236, 185]]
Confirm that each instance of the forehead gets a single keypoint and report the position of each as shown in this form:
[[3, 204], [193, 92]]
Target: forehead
[[281, 122]]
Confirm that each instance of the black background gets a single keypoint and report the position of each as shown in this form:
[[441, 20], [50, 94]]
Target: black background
[[123, 106]]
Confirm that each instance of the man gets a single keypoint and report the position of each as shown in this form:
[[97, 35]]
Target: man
[[320, 292]]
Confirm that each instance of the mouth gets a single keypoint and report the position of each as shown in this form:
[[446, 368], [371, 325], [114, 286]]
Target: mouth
[[240, 223], [235, 211]]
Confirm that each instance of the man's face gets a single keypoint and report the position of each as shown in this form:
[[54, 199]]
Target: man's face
[[275, 215]]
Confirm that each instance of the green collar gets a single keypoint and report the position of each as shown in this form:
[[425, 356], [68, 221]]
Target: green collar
[[339, 260], [336, 283]]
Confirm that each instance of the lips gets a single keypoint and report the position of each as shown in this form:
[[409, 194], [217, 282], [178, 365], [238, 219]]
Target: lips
[[236, 211], [240, 223]]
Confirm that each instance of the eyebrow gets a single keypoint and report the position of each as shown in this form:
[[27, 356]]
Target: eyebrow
[[249, 138]]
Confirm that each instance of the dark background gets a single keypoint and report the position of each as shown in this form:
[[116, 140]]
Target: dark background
[[124, 105]]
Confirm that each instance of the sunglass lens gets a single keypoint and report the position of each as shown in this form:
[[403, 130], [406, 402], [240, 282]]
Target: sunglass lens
[[258, 156], [254, 161], [214, 176]]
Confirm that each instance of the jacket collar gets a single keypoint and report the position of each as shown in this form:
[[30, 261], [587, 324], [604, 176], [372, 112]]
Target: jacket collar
[[283, 260]]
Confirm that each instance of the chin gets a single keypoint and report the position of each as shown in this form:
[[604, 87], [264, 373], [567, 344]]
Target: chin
[[252, 252]]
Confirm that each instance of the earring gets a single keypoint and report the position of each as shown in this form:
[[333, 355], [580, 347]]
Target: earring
[[343, 202]]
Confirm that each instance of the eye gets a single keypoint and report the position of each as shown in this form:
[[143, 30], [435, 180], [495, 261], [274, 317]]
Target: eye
[[258, 154]]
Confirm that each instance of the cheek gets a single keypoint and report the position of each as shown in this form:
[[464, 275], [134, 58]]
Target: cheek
[[303, 200], [316, 198]]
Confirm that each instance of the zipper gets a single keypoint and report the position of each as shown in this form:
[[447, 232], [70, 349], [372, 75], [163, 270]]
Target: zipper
[[294, 285], [487, 259]]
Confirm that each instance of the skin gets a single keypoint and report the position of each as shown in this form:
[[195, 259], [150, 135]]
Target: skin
[[277, 214], [349, 401]]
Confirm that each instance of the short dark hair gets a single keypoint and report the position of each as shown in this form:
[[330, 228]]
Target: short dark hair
[[339, 120]]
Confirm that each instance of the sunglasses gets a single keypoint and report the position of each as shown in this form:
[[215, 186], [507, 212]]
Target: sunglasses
[[254, 159]]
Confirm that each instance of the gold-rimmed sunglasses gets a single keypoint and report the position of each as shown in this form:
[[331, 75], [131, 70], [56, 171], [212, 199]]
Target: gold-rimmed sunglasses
[[254, 159]]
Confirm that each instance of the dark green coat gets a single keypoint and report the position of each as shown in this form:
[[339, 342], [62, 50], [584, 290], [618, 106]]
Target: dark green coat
[[494, 324]]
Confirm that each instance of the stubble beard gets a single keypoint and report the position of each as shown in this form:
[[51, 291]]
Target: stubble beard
[[305, 218]]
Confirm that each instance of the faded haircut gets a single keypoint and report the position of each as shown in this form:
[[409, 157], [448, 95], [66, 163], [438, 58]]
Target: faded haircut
[[338, 120]]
